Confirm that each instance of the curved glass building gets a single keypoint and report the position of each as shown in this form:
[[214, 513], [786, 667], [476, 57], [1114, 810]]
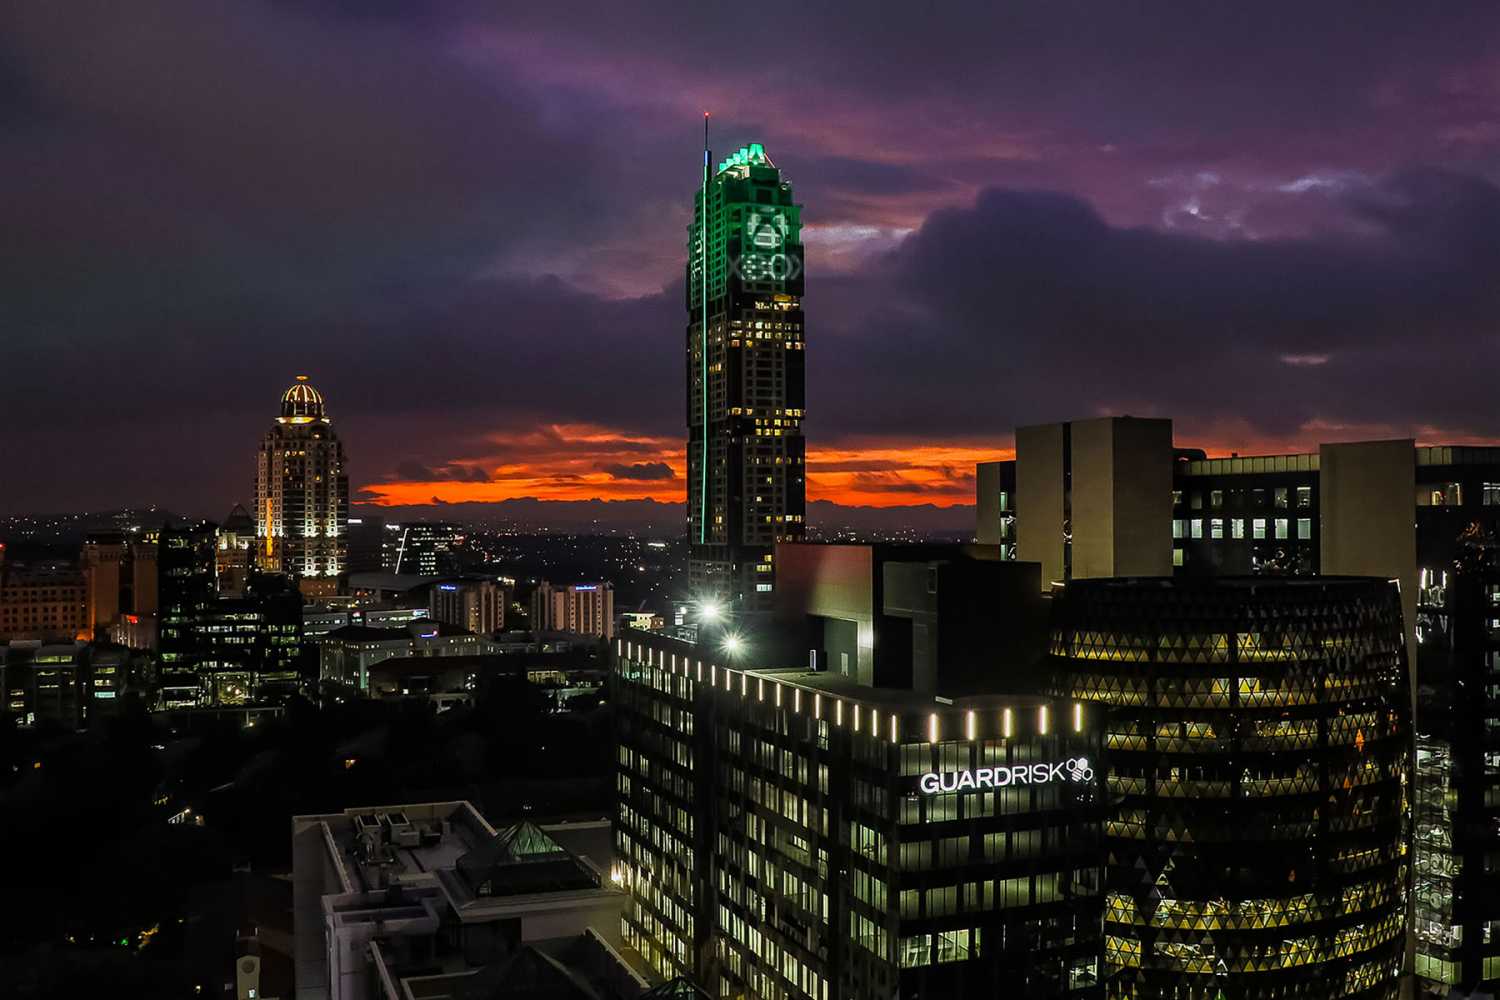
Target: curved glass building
[[1256, 751]]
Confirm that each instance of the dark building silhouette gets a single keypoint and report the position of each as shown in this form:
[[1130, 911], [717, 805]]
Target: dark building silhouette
[[186, 590]]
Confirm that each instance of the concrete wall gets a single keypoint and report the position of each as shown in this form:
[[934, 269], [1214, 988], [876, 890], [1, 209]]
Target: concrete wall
[[1120, 500], [1122, 497], [1039, 499], [830, 581], [1368, 528], [987, 503]]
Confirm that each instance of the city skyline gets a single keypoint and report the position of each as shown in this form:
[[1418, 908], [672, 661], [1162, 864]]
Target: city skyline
[[1281, 221]]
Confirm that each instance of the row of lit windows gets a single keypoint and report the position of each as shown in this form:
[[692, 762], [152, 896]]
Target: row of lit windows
[[1280, 527]]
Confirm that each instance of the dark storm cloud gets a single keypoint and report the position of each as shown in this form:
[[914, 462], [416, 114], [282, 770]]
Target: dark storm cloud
[[1029, 307], [465, 222], [412, 469], [641, 471]]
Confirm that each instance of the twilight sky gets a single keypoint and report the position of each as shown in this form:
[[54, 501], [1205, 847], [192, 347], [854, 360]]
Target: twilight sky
[[1277, 223]]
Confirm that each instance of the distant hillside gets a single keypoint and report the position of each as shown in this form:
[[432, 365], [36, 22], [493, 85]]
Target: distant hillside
[[650, 516]]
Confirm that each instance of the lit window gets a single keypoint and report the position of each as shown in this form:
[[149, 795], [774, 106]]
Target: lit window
[[1216, 528], [1282, 527], [1304, 528], [1237, 528], [1258, 528], [1197, 527]]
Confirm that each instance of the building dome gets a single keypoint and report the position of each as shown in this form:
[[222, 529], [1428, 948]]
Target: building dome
[[302, 400]]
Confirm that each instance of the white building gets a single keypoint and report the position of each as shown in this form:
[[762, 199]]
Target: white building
[[581, 608]]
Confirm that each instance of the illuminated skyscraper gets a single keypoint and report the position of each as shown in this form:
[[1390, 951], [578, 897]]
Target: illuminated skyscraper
[[302, 494], [745, 378]]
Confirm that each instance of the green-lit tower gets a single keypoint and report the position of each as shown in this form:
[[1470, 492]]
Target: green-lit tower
[[745, 378]]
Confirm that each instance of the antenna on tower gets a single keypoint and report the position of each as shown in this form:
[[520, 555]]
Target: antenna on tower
[[703, 343]]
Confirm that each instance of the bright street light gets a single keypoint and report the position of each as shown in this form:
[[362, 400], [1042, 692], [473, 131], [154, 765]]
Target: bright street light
[[732, 644], [709, 610]]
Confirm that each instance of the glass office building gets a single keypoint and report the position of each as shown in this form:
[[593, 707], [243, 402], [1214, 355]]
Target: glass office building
[[790, 834], [1256, 753]]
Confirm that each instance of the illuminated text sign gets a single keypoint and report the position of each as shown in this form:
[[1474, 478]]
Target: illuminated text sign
[[1072, 769]]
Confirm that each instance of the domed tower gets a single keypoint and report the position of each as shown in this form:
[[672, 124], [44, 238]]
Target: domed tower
[[302, 494]]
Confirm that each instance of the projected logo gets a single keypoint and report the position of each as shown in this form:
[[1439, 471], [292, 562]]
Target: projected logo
[[764, 256]]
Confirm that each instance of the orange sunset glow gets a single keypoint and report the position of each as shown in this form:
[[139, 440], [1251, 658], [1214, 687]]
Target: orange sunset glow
[[585, 462], [589, 461]]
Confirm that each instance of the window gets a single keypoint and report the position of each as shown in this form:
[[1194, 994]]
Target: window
[[1177, 527], [1216, 499], [1281, 497], [1304, 497], [1491, 495], [1282, 527], [1176, 557], [1176, 498], [1304, 528], [1258, 528], [1441, 495], [1237, 528], [1196, 501], [1216, 528], [1197, 526]]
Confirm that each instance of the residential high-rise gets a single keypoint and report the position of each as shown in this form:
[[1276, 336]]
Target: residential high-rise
[[476, 605], [746, 387], [584, 608], [302, 494]]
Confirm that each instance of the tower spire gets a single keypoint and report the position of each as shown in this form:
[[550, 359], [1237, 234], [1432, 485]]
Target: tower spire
[[703, 343]]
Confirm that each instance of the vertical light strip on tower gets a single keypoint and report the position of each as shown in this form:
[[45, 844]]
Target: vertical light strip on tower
[[703, 344]]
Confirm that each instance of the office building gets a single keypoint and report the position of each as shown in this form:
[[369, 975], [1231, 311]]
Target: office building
[[366, 544], [1426, 517], [62, 684], [429, 900], [250, 647], [346, 655], [580, 608], [422, 548], [234, 559], [746, 385], [1256, 754], [186, 587], [145, 576], [44, 601], [475, 605], [104, 559], [949, 619], [795, 833], [302, 494], [1094, 498]]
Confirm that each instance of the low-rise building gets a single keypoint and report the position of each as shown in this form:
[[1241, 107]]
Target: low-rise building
[[430, 900], [47, 602], [347, 654]]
